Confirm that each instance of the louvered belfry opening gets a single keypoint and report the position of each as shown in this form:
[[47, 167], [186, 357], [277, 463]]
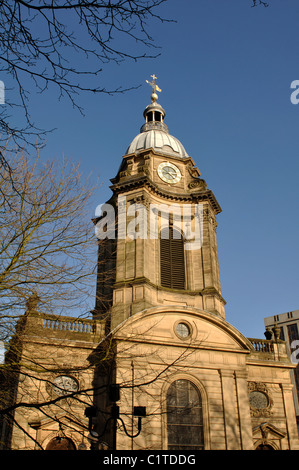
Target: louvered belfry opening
[[172, 259]]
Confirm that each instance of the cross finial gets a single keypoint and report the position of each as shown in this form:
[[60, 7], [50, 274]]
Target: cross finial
[[154, 87]]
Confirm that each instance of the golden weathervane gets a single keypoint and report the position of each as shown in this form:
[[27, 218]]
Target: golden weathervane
[[154, 87]]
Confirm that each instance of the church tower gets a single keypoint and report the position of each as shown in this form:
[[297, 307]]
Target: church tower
[[167, 344], [165, 243]]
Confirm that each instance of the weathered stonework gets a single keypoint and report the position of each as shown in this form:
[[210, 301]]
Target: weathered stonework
[[150, 339], [48, 347]]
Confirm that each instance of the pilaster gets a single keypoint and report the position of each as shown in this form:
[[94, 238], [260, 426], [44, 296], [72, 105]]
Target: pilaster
[[231, 428], [244, 410], [287, 394]]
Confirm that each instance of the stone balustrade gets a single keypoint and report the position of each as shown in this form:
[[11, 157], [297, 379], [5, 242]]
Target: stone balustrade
[[269, 349], [57, 326], [262, 345], [73, 325]]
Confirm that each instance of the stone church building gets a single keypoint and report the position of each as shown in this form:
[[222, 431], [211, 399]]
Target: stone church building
[[158, 367]]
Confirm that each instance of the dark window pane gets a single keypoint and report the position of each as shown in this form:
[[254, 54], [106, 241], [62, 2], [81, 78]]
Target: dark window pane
[[184, 416], [61, 443], [293, 332]]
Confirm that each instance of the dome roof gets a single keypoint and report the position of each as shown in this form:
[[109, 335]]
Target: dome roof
[[159, 140], [154, 132]]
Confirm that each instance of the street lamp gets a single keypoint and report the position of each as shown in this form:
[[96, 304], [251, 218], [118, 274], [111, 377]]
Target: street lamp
[[114, 395]]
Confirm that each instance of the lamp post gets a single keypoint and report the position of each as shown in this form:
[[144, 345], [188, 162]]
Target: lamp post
[[92, 411]]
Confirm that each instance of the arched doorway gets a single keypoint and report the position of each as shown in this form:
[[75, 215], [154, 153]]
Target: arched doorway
[[61, 443], [264, 447], [184, 416]]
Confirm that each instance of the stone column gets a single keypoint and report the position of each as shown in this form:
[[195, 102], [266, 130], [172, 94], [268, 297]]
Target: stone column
[[244, 411], [289, 408], [232, 436]]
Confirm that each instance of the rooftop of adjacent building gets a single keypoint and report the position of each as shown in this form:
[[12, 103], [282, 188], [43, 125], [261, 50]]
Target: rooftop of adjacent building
[[287, 317]]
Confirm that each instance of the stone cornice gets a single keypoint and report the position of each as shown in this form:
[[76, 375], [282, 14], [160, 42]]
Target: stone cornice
[[144, 280], [133, 182]]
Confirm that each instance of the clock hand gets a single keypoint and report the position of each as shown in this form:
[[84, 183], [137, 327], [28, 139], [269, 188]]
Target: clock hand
[[169, 174]]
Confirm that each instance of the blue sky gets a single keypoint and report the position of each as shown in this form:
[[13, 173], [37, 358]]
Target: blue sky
[[225, 71]]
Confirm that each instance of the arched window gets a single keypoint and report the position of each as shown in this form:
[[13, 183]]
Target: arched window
[[264, 447], [172, 259], [184, 417], [61, 443]]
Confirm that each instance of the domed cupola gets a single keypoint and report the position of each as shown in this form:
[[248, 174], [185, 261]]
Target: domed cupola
[[154, 132]]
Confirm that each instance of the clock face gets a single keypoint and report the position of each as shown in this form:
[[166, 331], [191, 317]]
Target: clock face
[[64, 384], [169, 173], [258, 400]]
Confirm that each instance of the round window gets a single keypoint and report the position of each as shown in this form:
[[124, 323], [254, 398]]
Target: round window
[[182, 330], [258, 400], [63, 385]]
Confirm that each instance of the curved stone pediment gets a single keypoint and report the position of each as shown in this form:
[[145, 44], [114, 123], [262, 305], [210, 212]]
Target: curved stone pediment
[[206, 330]]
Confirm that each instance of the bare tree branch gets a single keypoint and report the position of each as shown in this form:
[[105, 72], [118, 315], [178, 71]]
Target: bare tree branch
[[42, 43], [46, 237], [259, 2]]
